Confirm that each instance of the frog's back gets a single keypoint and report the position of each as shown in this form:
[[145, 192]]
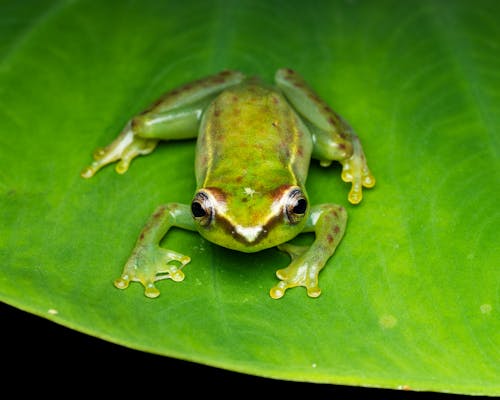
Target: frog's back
[[250, 134]]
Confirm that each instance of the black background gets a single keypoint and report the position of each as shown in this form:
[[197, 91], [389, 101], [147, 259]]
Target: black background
[[48, 358]]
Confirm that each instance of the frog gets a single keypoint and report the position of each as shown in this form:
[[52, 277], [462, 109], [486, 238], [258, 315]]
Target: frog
[[254, 145]]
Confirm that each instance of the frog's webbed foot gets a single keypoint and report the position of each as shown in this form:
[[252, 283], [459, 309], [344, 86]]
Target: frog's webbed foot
[[300, 272], [124, 148], [356, 171], [149, 264]]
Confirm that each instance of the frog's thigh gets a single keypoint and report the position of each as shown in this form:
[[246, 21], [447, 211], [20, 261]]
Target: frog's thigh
[[333, 137], [331, 134], [308, 103], [176, 115]]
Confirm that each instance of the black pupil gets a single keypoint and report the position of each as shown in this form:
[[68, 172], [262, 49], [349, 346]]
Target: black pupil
[[197, 210], [300, 207]]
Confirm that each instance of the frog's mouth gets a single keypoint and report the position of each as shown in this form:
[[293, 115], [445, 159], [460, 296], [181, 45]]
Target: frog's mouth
[[249, 238], [248, 234]]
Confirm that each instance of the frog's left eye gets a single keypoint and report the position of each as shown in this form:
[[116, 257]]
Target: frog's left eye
[[202, 209], [296, 206]]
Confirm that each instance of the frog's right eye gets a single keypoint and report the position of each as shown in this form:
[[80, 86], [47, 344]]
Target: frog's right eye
[[202, 209]]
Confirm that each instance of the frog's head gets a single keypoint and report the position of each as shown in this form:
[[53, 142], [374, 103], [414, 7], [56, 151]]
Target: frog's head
[[249, 220]]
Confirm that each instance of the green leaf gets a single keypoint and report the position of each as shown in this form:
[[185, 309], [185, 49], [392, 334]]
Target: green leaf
[[410, 299]]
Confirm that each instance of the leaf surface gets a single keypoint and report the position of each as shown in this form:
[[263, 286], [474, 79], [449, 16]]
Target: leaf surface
[[410, 299]]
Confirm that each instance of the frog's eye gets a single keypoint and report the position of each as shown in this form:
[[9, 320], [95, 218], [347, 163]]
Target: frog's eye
[[202, 209], [296, 206]]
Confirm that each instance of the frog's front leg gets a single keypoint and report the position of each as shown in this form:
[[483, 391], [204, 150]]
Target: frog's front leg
[[175, 115], [333, 138], [328, 222], [149, 262]]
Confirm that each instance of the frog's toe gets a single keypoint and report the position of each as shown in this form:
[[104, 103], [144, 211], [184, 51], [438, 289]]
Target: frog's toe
[[297, 274], [355, 194], [313, 291], [171, 272], [278, 291], [122, 282], [137, 147], [177, 275], [368, 180], [346, 174], [150, 290], [283, 274], [88, 172], [122, 166], [99, 153]]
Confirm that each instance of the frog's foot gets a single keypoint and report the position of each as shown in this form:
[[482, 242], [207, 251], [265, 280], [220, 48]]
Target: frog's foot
[[298, 273], [355, 170], [150, 264], [124, 148]]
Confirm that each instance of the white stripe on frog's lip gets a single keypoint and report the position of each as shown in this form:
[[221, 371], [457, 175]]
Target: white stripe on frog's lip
[[249, 233]]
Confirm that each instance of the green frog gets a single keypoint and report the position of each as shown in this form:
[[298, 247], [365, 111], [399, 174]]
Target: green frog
[[253, 150]]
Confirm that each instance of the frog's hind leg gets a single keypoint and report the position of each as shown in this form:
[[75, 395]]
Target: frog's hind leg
[[333, 138], [173, 116]]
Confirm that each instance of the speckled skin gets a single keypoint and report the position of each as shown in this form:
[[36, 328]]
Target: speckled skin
[[254, 146]]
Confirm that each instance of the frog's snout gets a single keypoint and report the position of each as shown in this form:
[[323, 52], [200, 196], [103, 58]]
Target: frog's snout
[[249, 234]]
